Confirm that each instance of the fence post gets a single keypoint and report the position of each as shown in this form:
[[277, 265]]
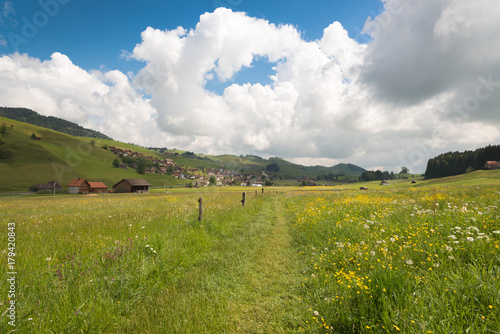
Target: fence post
[[243, 199], [200, 217]]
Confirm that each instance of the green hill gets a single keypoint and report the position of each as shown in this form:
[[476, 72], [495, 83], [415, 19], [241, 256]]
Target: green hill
[[62, 158]]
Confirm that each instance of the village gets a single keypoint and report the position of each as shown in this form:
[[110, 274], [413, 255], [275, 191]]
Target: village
[[198, 177], [192, 177]]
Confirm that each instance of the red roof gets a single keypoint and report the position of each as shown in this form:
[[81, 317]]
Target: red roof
[[95, 185], [76, 183]]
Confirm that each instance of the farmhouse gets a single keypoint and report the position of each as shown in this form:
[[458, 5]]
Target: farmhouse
[[50, 186], [132, 186], [98, 187], [79, 186], [492, 165]]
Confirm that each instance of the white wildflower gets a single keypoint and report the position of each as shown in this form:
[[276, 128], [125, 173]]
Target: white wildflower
[[470, 239], [316, 313], [409, 262], [449, 249], [48, 259]]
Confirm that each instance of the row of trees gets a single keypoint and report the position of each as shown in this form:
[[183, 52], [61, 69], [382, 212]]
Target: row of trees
[[49, 122], [385, 175], [456, 163]]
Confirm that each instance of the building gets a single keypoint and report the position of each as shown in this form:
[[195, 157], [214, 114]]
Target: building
[[50, 186], [492, 165], [132, 186], [79, 186], [98, 187]]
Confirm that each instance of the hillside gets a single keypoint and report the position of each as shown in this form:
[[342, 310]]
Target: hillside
[[49, 122], [60, 157]]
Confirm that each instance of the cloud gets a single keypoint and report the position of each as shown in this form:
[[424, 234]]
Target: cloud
[[56, 87], [427, 81]]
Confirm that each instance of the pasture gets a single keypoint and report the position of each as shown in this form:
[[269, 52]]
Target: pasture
[[409, 260]]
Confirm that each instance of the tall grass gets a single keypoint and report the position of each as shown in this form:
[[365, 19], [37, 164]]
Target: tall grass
[[417, 261]]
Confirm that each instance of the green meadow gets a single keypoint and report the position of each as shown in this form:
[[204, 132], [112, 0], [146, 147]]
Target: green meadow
[[396, 259]]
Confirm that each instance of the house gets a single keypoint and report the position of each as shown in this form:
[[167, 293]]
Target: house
[[150, 170], [50, 186], [132, 186], [384, 183], [98, 187], [492, 165], [79, 186]]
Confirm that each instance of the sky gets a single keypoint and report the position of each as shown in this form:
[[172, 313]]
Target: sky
[[378, 83]]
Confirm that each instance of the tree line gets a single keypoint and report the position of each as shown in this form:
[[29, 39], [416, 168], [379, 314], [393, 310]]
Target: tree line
[[456, 163], [50, 122]]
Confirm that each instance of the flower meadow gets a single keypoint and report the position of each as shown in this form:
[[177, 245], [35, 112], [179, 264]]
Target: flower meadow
[[408, 260], [412, 261]]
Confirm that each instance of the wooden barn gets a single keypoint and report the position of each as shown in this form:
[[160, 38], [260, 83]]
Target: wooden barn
[[50, 186], [132, 186], [79, 186], [98, 187]]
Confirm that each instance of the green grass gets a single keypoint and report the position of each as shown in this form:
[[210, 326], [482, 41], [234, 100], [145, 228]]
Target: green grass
[[403, 258], [400, 260], [62, 158]]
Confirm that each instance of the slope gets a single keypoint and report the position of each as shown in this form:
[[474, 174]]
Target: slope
[[61, 158]]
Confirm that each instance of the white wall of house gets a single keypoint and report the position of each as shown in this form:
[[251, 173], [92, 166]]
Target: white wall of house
[[73, 190]]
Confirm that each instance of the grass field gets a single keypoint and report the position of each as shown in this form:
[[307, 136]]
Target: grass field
[[420, 259]]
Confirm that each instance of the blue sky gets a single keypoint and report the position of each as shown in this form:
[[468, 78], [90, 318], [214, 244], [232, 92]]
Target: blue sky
[[295, 79], [93, 33]]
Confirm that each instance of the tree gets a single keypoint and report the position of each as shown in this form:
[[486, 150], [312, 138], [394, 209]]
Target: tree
[[116, 163], [212, 180], [92, 142], [273, 168], [3, 128], [33, 136], [404, 170]]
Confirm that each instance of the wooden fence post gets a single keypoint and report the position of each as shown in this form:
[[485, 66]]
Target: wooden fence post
[[243, 200], [200, 217]]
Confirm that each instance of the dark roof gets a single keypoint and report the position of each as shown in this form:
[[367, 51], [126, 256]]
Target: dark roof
[[135, 182]]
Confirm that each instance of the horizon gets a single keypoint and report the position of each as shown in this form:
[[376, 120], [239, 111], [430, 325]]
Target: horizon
[[378, 84]]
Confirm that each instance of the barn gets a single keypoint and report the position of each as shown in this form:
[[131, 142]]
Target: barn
[[132, 186], [79, 186], [50, 186], [98, 187]]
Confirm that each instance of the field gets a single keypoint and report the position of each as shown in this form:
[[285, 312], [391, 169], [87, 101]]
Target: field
[[421, 259]]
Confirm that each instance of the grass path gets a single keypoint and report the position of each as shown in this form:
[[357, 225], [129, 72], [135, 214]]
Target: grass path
[[268, 301], [241, 275]]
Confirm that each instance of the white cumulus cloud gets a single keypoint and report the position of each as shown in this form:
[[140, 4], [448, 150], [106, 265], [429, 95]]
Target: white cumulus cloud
[[427, 81]]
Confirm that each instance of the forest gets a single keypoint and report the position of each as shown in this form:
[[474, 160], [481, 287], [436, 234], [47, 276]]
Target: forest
[[49, 122], [456, 163]]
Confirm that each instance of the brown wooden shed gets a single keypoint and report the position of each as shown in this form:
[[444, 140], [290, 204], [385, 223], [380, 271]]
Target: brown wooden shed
[[132, 186]]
